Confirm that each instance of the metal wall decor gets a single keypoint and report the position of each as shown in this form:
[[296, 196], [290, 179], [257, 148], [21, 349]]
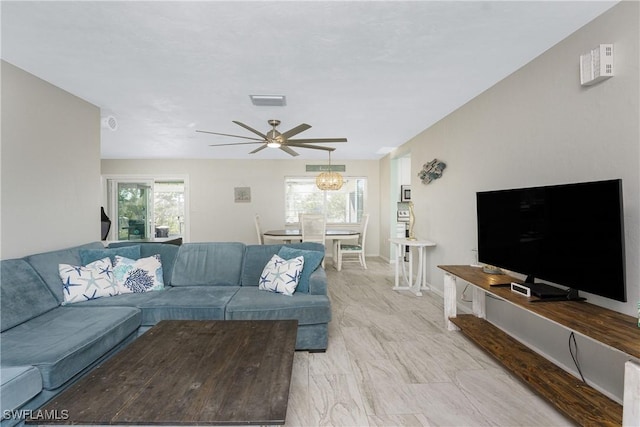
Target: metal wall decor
[[432, 170]]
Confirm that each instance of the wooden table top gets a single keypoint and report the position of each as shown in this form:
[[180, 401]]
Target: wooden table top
[[189, 373]]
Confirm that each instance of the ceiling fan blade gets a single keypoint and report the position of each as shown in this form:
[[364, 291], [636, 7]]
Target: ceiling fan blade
[[250, 129], [318, 140], [288, 150], [258, 149], [296, 130], [226, 134], [236, 143], [315, 147]]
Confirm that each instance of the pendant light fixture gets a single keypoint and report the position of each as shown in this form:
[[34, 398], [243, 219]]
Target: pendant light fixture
[[329, 180]]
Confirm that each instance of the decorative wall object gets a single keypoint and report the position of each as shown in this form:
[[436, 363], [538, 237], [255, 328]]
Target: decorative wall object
[[432, 170], [412, 222], [242, 194]]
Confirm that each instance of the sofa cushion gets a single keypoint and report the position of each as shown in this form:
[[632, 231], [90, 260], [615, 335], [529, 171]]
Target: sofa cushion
[[218, 263], [19, 385], [46, 264], [250, 303], [188, 303], [82, 283], [257, 256], [167, 252], [312, 260], [64, 341], [122, 300], [88, 256], [23, 294]]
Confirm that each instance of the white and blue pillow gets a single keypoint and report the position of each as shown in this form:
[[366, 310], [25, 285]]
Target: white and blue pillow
[[312, 260], [84, 283], [136, 276], [281, 275]]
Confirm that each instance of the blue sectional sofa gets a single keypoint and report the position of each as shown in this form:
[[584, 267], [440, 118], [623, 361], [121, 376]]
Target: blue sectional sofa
[[46, 345]]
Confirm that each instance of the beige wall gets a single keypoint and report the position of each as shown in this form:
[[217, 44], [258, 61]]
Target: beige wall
[[539, 127], [50, 166], [213, 214]]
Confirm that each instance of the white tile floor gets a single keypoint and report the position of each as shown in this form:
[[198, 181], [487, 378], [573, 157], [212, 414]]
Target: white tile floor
[[391, 362]]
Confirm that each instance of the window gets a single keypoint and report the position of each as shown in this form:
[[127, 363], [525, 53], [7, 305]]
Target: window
[[143, 208], [344, 206], [168, 207]]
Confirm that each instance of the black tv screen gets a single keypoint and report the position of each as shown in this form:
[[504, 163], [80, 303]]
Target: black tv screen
[[571, 235]]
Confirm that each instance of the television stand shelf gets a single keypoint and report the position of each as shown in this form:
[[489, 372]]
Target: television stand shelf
[[567, 393], [572, 397]]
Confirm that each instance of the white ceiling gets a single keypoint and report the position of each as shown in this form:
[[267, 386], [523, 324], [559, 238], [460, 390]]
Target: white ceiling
[[377, 73]]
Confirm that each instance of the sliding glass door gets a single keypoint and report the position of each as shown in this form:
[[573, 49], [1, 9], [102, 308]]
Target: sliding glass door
[[145, 208], [134, 210], [168, 207]]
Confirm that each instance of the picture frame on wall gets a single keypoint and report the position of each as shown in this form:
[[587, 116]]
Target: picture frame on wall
[[242, 194], [405, 193]]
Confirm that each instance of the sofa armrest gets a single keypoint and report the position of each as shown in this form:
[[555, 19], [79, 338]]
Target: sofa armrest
[[318, 282]]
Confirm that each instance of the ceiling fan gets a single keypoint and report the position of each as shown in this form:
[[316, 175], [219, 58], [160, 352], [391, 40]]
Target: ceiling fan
[[275, 139]]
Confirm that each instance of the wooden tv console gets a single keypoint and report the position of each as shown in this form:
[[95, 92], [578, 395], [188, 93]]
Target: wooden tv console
[[574, 398]]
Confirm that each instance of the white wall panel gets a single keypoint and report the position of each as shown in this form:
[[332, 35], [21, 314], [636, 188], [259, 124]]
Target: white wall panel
[[50, 166]]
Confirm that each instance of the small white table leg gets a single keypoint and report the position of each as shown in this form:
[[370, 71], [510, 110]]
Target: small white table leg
[[423, 255], [450, 299], [336, 256], [423, 262], [409, 276], [421, 278]]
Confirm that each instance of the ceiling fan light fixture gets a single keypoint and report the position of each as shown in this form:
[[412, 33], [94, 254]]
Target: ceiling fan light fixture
[[274, 139]]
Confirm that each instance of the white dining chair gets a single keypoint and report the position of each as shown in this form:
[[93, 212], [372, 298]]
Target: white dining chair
[[314, 228], [345, 250], [259, 230]]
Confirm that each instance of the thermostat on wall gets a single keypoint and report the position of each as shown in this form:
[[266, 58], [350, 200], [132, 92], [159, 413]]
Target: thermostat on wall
[[520, 289]]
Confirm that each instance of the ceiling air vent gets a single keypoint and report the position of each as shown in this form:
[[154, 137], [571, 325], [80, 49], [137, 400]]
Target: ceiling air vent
[[268, 100]]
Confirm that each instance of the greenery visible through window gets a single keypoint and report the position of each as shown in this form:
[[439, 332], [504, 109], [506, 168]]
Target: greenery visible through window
[[168, 206], [344, 206], [146, 208]]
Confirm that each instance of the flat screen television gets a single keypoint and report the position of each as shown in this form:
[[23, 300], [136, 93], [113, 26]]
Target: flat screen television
[[571, 235]]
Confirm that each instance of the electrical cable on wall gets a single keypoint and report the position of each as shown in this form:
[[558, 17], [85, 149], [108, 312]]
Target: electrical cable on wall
[[574, 356]]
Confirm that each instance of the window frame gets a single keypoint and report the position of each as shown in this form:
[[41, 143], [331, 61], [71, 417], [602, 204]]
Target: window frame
[[325, 196], [109, 197]]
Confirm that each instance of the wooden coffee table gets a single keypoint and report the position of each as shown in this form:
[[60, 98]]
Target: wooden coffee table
[[189, 372]]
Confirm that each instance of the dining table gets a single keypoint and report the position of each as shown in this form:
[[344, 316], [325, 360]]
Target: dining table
[[336, 235]]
